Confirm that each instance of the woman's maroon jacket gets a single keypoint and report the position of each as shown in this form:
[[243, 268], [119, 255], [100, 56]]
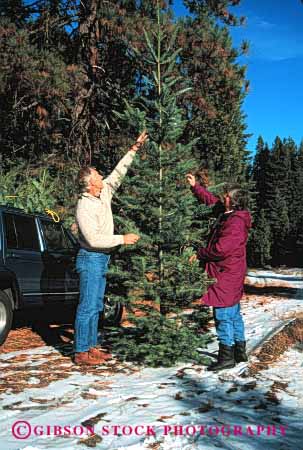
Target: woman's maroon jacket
[[225, 254]]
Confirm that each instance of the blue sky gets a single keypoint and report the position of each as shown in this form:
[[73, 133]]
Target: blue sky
[[274, 104]]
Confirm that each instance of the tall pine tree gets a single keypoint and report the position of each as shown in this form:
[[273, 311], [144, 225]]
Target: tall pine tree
[[158, 205], [295, 208], [214, 106], [260, 171]]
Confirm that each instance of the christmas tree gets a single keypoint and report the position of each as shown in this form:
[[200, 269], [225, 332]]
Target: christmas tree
[[157, 204]]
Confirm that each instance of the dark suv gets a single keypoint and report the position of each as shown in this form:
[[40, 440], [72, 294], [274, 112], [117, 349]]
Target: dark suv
[[37, 266]]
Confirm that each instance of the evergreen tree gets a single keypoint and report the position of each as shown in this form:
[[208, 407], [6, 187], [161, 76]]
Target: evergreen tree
[[278, 178], [158, 205], [277, 214], [277, 198], [65, 67], [279, 171], [14, 10], [260, 171], [219, 9], [295, 208], [214, 106], [288, 157], [299, 244], [259, 248], [32, 85]]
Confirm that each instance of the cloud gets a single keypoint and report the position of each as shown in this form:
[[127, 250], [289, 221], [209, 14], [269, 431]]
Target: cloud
[[264, 24], [270, 41]]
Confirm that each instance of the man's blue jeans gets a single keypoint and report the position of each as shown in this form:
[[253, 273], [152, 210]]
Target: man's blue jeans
[[92, 268], [229, 324]]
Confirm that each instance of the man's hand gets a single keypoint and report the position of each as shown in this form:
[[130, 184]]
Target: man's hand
[[191, 179], [130, 239], [192, 259], [140, 141]]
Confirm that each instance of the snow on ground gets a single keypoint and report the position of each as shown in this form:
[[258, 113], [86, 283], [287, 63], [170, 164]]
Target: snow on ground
[[289, 278], [224, 410]]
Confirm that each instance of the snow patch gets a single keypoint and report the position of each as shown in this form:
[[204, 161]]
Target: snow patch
[[161, 397]]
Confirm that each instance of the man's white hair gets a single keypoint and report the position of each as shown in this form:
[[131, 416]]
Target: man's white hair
[[84, 178]]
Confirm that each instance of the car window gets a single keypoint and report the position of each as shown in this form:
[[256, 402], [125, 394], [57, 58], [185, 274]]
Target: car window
[[21, 232], [55, 236], [10, 231]]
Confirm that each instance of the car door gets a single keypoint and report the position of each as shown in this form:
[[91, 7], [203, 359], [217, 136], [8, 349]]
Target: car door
[[23, 255], [61, 279]]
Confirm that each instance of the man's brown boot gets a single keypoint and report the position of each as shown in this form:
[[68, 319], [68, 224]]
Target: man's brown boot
[[97, 353], [85, 358]]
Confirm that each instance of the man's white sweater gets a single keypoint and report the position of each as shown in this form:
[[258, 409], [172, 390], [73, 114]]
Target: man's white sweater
[[94, 214]]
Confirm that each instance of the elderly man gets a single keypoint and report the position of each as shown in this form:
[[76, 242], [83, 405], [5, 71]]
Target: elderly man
[[97, 239]]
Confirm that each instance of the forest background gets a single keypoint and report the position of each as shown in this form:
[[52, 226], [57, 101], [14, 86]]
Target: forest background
[[80, 80]]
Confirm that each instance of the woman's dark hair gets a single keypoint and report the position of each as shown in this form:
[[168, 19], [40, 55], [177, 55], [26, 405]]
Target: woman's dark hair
[[238, 196]]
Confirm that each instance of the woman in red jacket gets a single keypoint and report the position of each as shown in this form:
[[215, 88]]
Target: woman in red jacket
[[225, 258]]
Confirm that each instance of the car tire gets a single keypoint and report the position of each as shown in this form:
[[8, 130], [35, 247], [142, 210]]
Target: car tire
[[6, 316], [112, 314]]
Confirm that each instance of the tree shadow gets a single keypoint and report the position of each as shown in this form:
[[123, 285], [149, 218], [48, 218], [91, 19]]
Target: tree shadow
[[216, 401], [54, 325], [273, 291]]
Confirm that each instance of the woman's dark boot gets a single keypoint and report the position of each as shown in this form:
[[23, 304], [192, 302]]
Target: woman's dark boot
[[225, 360], [240, 351]]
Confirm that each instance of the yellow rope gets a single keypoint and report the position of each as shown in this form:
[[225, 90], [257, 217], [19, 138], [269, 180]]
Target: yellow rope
[[50, 212], [53, 215]]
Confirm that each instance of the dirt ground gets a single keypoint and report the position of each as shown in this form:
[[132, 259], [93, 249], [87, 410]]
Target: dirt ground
[[26, 370], [32, 332], [271, 350]]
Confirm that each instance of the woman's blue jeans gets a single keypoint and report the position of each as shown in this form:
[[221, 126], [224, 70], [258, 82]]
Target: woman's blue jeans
[[229, 324], [92, 268]]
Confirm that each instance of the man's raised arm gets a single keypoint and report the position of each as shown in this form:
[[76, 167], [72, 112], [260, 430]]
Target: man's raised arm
[[115, 178]]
